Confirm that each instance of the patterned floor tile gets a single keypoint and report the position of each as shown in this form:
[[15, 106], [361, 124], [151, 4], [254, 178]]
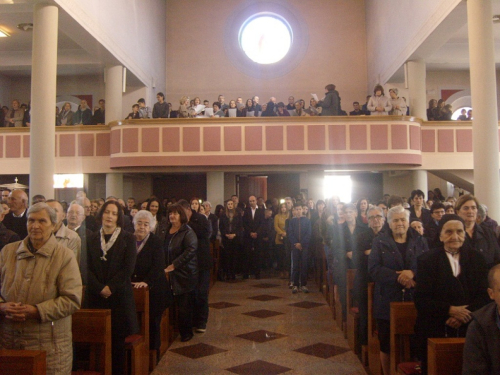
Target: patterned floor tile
[[264, 298], [321, 350], [262, 313], [258, 367], [261, 336], [198, 350]]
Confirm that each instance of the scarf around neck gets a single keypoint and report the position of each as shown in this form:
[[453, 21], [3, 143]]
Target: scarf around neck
[[105, 246]]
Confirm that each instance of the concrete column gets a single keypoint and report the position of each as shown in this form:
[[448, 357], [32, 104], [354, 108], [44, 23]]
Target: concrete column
[[416, 86], [315, 180], [215, 188], [114, 184], [419, 181], [113, 92], [484, 99], [43, 100]]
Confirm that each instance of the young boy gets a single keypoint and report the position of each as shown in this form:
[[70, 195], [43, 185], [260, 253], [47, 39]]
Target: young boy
[[299, 235]]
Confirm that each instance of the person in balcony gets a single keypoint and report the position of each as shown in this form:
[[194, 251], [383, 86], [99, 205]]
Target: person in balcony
[[330, 105], [161, 108], [84, 115], [15, 116], [430, 110], [134, 114], [379, 104], [399, 106], [314, 109], [282, 110], [66, 115], [299, 110], [184, 108]]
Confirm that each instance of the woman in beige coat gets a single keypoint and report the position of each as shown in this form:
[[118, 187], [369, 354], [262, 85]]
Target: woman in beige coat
[[40, 286]]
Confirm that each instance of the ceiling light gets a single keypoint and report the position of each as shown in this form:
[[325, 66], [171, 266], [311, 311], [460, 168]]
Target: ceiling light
[[25, 26], [496, 18], [4, 34]]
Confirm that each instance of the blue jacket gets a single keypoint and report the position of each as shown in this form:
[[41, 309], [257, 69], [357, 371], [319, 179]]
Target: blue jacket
[[383, 263], [305, 231]]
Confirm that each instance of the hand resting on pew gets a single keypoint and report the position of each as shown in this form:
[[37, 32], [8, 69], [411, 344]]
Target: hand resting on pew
[[460, 313], [141, 284]]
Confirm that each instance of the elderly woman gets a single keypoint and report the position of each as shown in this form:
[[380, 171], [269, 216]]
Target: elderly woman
[[182, 267], [477, 237], [392, 266], [35, 313], [184, 108], [451, 283], [111, 256], [149, 272]]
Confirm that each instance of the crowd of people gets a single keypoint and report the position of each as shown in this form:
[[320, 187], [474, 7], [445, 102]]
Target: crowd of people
[[437, 253], [377, 104]]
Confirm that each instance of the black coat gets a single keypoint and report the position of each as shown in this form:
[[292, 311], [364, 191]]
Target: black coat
[[7, 236], [213, 219], [425, 217], [17, 224], [150, 268], [121, 262], [234, 227], [485, 243], [437, 289], [181, 252], [200, 225], [253, 225]]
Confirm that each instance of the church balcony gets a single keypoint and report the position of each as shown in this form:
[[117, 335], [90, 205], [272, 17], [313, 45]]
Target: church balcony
[[382, 142]]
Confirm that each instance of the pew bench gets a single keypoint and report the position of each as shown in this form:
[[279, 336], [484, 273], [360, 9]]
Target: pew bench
[[445, 356], [137, 346], [26, 362], [403, 318], [92, 328], [352, 323], [373, 343]]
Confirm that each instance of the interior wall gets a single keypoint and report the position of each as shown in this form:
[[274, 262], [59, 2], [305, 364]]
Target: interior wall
[[139, 186], [199, 67], [392, 39], [5, 91], [400, 184]]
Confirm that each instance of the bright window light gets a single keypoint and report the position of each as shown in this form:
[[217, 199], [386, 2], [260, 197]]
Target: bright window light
[[4, 34], [266, 39], [340, 186], [64, 181]]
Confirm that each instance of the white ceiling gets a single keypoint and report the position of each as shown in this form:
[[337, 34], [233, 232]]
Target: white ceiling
[[78, 52]]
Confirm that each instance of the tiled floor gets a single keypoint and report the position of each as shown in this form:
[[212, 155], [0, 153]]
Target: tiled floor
[[260, 327]]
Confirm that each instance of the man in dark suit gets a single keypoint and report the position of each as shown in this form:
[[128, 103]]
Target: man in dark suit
[[253, 218], [16, 219], [437, 211]]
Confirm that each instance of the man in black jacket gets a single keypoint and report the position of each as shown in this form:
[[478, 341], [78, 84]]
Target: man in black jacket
[[253, 219], [16, 219], [199, 224]]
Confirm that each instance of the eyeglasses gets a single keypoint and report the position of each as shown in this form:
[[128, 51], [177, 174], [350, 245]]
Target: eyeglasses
[[377, 217]]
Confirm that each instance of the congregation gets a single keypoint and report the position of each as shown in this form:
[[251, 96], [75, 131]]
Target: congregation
[[377, 104], [442, 253]]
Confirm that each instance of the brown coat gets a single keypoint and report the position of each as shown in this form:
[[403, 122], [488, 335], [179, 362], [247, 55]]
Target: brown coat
[[51, 281]]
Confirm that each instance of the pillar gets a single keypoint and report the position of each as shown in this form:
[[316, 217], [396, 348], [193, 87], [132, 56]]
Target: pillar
[[113, 92], [484, 104], [419, 181], [215, 188], [43, 100], [416, 87], [315, 183], [114, 184]]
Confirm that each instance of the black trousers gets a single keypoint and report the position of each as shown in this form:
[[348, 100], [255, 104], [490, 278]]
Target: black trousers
[[185, 304]]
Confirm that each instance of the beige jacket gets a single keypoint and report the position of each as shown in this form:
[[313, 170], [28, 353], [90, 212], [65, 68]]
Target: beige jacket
[[70, 239], [50, 280]]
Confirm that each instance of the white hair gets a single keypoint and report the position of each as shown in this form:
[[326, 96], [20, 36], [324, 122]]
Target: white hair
[[144, 214], [397, 210]]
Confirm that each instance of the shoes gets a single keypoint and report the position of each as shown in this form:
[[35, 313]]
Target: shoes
[[304, 289], [187, 338], [290, 285], [295, 290], [200, 330]]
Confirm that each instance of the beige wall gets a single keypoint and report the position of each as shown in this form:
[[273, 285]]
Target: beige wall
[[198, 65]]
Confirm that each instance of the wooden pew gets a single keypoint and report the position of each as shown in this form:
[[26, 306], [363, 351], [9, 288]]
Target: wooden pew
[[137, 346], [445, 356], [93, 327], [338, 310], [373, 343], [165, 332], [352, 323], [403, 318], [26, 362]]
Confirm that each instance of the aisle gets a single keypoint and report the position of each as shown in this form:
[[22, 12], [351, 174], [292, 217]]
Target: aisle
[[260, 327]]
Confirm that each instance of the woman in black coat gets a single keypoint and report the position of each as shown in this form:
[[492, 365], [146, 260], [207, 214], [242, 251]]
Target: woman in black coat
[[111, 256], [182, 267], [451, 283], [231, 231], [149, 272]]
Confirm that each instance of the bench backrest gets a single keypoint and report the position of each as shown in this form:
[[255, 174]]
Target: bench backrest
[[403, 318], [445, 356], [26, 362]]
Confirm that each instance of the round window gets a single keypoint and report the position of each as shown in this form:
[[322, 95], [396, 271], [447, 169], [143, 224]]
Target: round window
[[265, 38]]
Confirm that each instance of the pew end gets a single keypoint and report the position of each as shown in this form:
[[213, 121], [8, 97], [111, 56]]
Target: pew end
[[26, 362], [445, 356]]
